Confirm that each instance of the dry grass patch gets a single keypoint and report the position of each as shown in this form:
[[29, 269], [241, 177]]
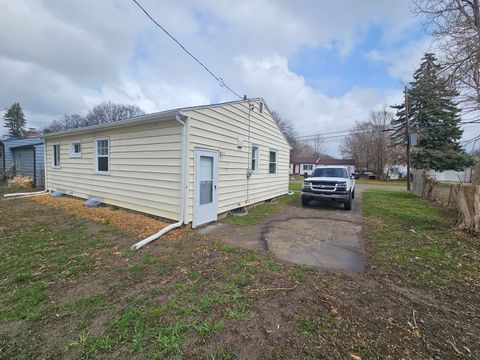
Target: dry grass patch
[[139, 224]]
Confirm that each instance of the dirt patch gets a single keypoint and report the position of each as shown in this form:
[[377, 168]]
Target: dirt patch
[[135, 223], [319, 243]]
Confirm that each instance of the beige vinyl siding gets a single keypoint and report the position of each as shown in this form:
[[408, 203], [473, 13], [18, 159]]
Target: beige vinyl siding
[[144, 167], [218, 128]]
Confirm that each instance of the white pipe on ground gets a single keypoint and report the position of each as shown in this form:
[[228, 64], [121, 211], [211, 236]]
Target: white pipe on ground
[[25, 196], [25, 193], [166, 229], [155, 236]]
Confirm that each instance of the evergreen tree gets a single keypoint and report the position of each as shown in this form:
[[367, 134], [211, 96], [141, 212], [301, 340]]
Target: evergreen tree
[[15, 121], [434, 116], [399, 133]]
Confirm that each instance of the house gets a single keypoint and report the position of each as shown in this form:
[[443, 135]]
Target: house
[[302, 165], [23, 156], [395, 172], [187, 164], [350, 163], [305, 165]]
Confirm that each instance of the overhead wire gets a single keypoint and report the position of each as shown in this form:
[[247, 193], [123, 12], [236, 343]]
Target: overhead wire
[[217, 78], [312, 137]]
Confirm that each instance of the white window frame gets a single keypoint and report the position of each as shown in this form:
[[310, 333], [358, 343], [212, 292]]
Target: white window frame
[[95, 160], [257, 159], [73, 154], [57, 166], [309, 165], [276, 162]]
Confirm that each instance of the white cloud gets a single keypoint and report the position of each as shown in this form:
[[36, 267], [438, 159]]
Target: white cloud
[[311, 111], [403, 61], [69, 55]]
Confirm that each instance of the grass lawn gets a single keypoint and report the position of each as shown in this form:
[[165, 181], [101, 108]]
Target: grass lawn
[[71, 289], [418, 241], [295, 186], [297, 178], [258, 213], [380, 182]]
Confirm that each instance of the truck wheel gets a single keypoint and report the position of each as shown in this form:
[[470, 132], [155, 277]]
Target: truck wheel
[[353, 194], [305, 201], [348, 204]]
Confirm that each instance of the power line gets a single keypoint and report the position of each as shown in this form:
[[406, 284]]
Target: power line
[[351, 131], [361, 131], [365, 131], [338, 118], [217, 78]]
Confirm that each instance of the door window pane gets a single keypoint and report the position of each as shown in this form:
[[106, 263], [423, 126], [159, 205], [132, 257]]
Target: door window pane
[[206, 179]]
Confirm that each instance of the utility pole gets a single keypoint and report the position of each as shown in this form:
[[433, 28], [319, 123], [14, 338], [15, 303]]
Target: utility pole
[[407, 133]]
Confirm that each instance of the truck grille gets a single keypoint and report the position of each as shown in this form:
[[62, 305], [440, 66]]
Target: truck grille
[[328, 185]]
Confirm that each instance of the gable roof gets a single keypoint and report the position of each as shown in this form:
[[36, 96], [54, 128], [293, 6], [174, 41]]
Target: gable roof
[[157, 116], [336, 162]]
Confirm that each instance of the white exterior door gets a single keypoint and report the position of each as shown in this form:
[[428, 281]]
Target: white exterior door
[[206, 169]]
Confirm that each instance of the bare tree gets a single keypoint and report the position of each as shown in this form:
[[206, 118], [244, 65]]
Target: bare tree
[[105, 112], [318, 146], [369, 144], [455, 25], [66, 122], [357, 145], [286, 126]]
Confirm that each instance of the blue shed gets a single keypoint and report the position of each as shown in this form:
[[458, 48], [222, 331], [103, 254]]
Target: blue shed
[[27, 157]]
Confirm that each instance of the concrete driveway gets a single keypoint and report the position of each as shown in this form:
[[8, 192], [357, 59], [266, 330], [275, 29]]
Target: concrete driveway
[[322, 235]]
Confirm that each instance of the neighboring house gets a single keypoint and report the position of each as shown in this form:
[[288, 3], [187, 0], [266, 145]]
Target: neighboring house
[[451, 175], [188, 164], [25, 156], [350, 163], [395, 172], [302, 165], [305, 165]]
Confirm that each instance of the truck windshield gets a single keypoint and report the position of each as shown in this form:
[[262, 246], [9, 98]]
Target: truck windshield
[[330, 172]]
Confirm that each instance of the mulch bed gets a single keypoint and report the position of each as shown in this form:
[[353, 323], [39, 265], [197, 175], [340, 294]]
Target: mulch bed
[[136, 223]]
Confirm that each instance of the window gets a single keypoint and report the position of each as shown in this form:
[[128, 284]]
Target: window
[[255, 154], [102, 156], [307, 167], [330, 172], [272, 163], [56, 155], [76, 149]]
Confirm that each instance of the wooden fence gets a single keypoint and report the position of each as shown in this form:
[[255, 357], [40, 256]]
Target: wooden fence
[[462, 196]]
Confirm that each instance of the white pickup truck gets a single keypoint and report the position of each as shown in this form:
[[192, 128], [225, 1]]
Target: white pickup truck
[[330, 182]]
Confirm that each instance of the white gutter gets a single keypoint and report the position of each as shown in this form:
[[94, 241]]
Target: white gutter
[[25, 194], [166, 229]]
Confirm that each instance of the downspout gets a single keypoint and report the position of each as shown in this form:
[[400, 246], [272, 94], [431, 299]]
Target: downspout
[[45, 164], [34, 166], [249, 152], [3, 155], [170, 227]]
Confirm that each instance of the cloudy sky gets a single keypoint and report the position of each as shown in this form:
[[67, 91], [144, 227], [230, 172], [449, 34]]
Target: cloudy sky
[[322, 64]]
